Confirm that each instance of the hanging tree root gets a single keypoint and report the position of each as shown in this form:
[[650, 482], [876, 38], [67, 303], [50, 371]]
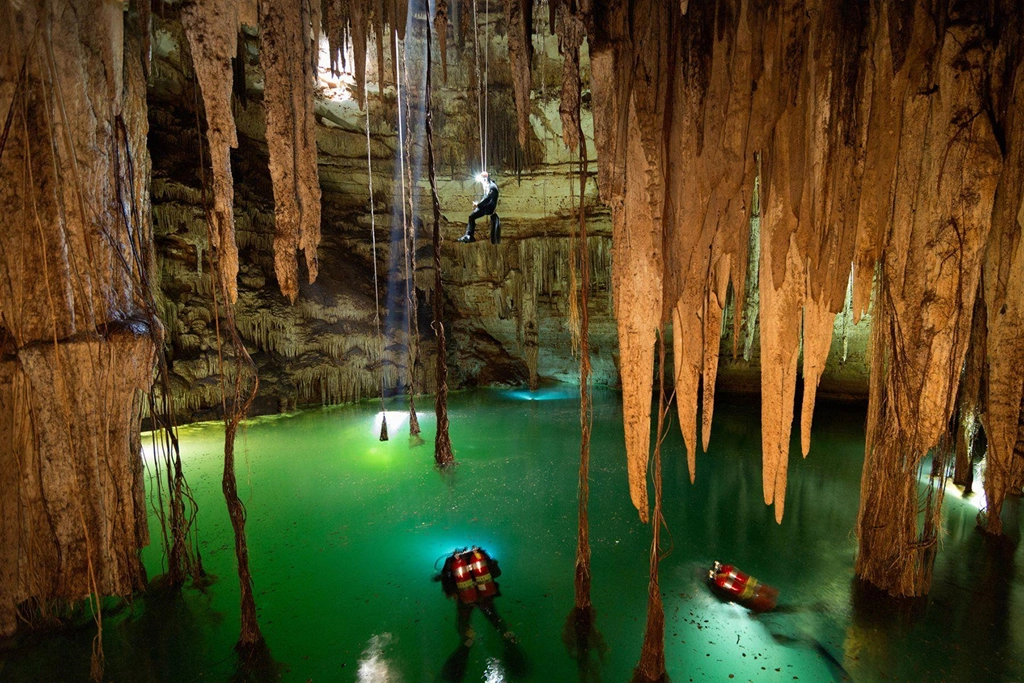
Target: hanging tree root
[[250, 641], [443, 456], [651, 668]]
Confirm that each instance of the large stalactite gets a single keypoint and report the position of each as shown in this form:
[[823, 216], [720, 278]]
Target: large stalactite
[[943, 189], [288, 59], [212, 30], [76, 353], [1004, 288], [873, 132]]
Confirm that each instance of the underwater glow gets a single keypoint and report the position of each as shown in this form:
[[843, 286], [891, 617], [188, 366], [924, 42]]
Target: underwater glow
[[373, 667], [494, 673], [396, 418], [976, 499], [438, 552], [559, 394]]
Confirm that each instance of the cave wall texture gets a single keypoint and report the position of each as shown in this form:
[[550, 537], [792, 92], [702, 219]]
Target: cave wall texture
[[77, 331], [879, 134], [765, 171], [507, 305]]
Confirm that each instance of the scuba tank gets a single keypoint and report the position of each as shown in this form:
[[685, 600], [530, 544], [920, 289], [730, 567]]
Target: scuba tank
[[481, 572], [464, 582], [731, 583]]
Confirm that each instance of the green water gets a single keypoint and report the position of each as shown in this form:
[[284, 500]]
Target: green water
[[344, 533]]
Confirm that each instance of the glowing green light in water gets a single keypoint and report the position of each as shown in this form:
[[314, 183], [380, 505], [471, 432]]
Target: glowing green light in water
[[346, 533]]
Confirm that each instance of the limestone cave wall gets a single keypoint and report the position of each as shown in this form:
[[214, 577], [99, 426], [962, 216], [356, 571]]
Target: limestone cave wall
[[506, 305]]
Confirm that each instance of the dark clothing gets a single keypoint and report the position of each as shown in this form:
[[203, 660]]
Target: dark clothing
[[489, 203], [447, 575], [485, 207], [464, 609], [468, 577], [477, 213], [487, 607]]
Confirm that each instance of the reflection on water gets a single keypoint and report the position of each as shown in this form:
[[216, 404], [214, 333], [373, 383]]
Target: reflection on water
[[562, 393], [494, 672], [344, 532], [374, 667]]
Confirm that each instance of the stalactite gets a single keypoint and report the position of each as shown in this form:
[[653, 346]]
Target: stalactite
[[316, 20], [380, 30], [971, 399], [79, 349], [628, 120], [1004, 292], [519, 21], [336, 19], [359, 27], [212, 31], [945, 176], [443, 456], [570, 29], [441, 26], [286, 56]]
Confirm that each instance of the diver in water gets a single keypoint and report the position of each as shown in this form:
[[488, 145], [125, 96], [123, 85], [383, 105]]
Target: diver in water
[[468, 577], [485, 207]]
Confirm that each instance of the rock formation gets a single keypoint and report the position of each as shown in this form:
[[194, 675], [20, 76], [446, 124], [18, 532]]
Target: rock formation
[[881, 142], [76, 338], [876, 130]]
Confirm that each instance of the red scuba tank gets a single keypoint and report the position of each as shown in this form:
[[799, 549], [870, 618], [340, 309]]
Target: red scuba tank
[[743, 588], [464, 582], [478, 566]]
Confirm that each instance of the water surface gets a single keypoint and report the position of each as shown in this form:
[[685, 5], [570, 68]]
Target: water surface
[[345, 533]]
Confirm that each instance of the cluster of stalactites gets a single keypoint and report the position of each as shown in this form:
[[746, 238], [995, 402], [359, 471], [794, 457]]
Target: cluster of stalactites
[[351, 21], [289, 50], [868, 120]]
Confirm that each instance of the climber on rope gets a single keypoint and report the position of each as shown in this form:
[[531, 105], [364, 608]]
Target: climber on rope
[[485, 207]]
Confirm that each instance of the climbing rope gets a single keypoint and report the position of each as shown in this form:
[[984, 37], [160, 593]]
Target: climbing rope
[[480, 104], [486, 85], [373, 243], [407, 236]]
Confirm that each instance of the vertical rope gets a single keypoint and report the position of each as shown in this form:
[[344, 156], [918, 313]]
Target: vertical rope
[[410, 273], [373, 243], [479, 87], [486, 84]]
